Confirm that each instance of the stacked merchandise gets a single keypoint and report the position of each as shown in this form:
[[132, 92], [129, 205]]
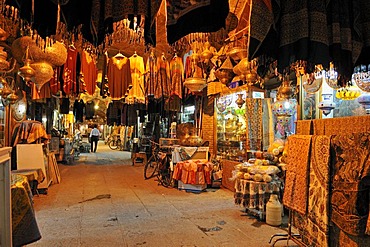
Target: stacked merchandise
[[258, 178], [193, 175]]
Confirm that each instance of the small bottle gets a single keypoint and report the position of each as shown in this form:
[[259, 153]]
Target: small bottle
[[273, 211]]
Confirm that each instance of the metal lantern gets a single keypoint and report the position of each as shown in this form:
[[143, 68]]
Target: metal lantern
[[195, 84]]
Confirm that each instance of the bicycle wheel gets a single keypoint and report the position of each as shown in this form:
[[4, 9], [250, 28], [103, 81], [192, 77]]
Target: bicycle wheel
[[150, 167], [165, 173], [114, 144]]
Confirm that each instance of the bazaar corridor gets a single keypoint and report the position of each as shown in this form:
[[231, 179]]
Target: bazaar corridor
[[103, 200]]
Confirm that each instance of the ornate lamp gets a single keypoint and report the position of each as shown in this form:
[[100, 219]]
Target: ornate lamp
[[326, 105], [225, 72], [285, 107]]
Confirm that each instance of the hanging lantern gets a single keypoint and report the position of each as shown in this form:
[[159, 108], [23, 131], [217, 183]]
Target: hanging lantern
[[247, 71], [4, 64], [195, 84], [43, 73], [12, 98], [26, 72], [6, 90], [206, 54], [56, 54], [237, 53], [225, 72], [285, 107]]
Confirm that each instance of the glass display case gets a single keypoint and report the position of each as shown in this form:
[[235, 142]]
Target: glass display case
[[231, 126]]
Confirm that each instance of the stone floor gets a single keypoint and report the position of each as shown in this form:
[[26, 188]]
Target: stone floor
[[103, 200]]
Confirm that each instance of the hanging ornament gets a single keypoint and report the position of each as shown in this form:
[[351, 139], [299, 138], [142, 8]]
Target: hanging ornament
[[206, 54]]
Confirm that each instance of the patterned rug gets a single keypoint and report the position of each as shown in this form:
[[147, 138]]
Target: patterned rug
[[297, 176], [318, 201], [350, 191]]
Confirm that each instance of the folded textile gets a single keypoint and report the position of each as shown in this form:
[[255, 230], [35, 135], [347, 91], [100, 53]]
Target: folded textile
[[304, 127], [297, 174]]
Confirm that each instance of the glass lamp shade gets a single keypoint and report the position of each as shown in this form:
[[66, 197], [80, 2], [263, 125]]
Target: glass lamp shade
[[195, 84]]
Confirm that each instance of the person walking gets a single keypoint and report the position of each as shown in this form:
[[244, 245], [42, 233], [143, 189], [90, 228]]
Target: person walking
[[94, 136]]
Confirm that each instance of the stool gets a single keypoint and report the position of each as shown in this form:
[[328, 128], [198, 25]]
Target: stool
[[141, 155]]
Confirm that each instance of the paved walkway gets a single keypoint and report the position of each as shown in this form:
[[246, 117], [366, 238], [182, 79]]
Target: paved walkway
[[103, 200]]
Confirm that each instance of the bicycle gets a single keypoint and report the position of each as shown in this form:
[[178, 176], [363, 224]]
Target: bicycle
[[114, 142], [160, 165]]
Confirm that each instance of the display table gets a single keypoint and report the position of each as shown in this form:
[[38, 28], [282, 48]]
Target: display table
[[24, 225], [34, 177], [253, 195]]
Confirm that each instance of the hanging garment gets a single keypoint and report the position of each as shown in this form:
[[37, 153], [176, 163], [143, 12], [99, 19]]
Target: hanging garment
[[184, 17], [70, 71], [296, 179], [254, 129], [64, 105], [350, 182], [177, 76], [90, 110], [163, 87], [78, 110], [43, 93], [119, 77], [89, 71], [151, 75], [137, 92], [114, 112], [55, 81]]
